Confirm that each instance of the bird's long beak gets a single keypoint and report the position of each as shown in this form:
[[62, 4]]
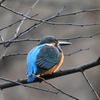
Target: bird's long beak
[[64, 43]]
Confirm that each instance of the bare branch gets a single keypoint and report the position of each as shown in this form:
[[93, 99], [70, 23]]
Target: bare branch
[[15, 23], [76, 52], [32, 27], [1, 1], [40, 23], [77, 12], [58, 13], [18, 40], [3, 54], [90, 85], [19, 53], [1, 38], [18, 28], [14, 54], [56, 74], [32, 87], [72, 24], [5, 49], [9, 25], [67, 39], [15, 12], [77, 37], [54, 86]]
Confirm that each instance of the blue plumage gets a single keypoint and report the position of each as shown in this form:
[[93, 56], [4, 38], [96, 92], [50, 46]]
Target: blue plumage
[[44, 59], [32, 67]]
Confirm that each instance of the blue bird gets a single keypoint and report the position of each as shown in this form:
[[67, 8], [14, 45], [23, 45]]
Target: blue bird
[[46, 58]]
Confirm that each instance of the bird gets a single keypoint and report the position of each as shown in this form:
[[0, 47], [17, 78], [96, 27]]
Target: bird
[[46, 58]]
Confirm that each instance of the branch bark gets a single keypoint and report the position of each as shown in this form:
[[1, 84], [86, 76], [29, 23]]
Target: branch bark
[[1, 1], [54, 75]]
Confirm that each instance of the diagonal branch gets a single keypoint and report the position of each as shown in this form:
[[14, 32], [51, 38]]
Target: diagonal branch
[[81, 11], [18, 28], [32, 87], [15, 23], [77, 37], [65, 54], [1, 1], [90, 85], [54, 86], [5, 49], [56, 74]]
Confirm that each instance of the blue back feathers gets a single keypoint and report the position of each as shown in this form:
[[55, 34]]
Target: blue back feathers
[[31, 67]]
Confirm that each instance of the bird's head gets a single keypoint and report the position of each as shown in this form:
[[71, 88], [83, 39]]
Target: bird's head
[[53, 40]]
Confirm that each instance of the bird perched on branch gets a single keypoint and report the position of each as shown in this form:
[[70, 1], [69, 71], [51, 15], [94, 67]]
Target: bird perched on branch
[[46, 58]]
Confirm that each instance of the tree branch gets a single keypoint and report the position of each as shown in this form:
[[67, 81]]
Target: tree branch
[[15, 23], [21, 53], [54, 75], [32, 87], [19, 26], [1, 1], [66, 39], [90, 85], [55, 87]]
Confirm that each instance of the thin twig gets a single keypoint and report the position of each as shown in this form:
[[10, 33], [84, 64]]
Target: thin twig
[[5, 48], [18, 40], [87, 80], [18, 13], [33, 87], [14, 54], [1, 38], [81, 11], [77, 37], [54, 86], [9, 25], [18, 28], [3, 54], [67, 39], [15, 23], [1, 2], [72, 24], [19, 53], [76, 52]]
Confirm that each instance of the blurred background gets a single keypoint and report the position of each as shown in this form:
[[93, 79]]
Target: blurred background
[[15, 67]]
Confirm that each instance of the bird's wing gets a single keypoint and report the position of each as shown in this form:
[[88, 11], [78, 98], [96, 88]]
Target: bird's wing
[[48, 57]]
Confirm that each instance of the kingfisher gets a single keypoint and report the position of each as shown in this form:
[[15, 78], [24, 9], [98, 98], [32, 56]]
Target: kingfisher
[[46, 58]]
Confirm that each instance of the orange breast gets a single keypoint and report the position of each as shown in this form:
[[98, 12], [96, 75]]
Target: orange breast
[[56, 67]]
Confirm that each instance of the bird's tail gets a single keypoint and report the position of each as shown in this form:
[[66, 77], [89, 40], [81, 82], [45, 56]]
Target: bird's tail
[[31, 78]]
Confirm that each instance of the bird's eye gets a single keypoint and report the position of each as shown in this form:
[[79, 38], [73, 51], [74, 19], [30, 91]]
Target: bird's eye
[[56, 41]]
